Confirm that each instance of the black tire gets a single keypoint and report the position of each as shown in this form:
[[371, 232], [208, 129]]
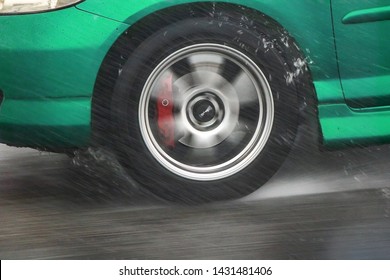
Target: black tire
[[262, 42]]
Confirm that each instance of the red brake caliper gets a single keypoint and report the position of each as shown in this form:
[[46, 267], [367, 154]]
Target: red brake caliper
[[165, 120]]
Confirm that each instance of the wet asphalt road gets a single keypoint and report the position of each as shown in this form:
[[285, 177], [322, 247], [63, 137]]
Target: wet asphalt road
[[320, 205]]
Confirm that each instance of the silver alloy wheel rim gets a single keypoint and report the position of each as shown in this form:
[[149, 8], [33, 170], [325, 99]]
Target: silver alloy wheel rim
[[203, 80]]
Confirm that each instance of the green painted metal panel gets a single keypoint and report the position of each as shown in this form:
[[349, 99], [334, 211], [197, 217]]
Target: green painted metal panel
[[363, 51], [48, 67], [55, 54], [60, 122], [343, 126], [370, 91], [329, 91]]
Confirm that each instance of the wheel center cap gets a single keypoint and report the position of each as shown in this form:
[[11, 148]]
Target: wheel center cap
[[203, 111]]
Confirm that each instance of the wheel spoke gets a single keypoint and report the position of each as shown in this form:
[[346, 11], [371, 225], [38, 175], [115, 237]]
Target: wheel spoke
[[199, 157], [198, 140], [236, 138], [182, 67], [206, 62], [206, 79], [230, 70], [206, 69], [180, 127], [246, 91]]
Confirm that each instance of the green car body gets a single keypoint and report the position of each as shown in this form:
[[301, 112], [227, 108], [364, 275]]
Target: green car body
[[197, 100], [49, 64]]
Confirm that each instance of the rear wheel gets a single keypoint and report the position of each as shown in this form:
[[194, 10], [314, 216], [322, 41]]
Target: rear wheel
[[206, 110]]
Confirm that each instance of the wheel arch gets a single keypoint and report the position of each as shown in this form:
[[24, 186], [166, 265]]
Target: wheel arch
[[158, 19]]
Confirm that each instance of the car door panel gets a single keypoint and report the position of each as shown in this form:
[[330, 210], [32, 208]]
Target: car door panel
[[362, 33]]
